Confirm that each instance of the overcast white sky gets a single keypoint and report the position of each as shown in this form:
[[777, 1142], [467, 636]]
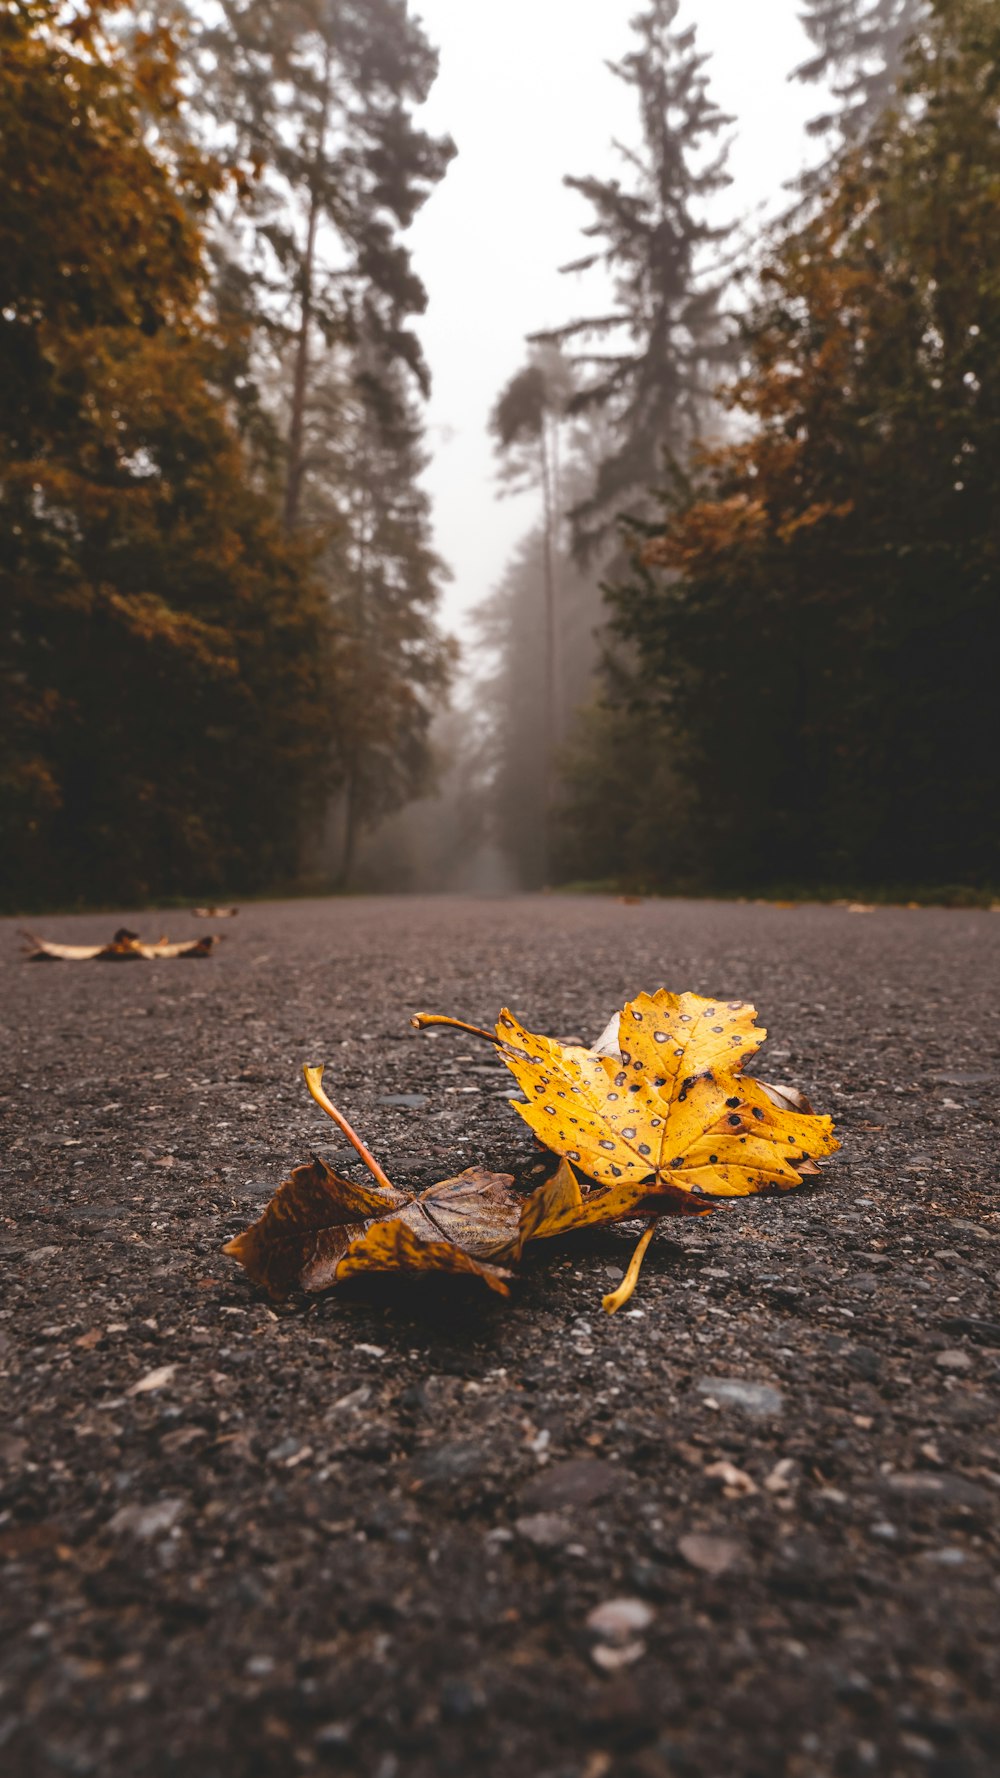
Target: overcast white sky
[[525, 93]]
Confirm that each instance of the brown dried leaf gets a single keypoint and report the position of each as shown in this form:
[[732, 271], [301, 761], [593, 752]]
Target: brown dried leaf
[[320, 1228], [125, 947]]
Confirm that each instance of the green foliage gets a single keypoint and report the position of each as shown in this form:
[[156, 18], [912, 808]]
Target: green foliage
[[820, 620], [164, 655]]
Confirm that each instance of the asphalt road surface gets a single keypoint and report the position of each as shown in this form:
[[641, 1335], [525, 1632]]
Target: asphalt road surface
[[745, 1529]]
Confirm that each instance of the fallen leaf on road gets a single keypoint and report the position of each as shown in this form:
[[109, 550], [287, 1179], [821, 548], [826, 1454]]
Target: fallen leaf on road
[[319, 1228], [124, 947], [659, 1115]]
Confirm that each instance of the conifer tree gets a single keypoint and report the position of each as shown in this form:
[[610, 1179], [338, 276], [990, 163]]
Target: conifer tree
[[363, 458], [315, 99], [650, 361], [845, 545], [860, 50]]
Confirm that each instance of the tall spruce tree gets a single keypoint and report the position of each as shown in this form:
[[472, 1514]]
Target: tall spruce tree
[[362, 459], [860, 50], [846, 547], [651, 359], [315, 100]]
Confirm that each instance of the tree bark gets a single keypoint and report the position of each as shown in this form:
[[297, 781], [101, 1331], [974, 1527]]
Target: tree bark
[[551, 727], [296, 424], [300, 377]]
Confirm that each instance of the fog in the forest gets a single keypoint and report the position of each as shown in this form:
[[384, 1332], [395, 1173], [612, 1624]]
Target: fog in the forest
[[489, 450]]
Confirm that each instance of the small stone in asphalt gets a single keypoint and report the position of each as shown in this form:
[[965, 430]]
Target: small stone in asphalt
[[448, 1463], [713, 1555], [953, 1359], [12, 1450], [733, 1481], [545, 1531], [145, 1522], [759, 1400], [580, 1481], [865, 1363], [618, 1620], [333, 1735], [924, 1484]]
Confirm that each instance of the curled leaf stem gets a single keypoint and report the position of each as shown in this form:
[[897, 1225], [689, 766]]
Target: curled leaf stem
[[615, 1299], [313, 1078], [422, 1019]]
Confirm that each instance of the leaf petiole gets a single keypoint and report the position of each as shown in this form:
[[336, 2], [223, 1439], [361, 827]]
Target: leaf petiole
[[615, 1299], [422, 1019], [313, 1078]]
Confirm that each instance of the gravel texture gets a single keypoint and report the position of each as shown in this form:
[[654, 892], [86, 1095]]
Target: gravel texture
[[745, 1529]]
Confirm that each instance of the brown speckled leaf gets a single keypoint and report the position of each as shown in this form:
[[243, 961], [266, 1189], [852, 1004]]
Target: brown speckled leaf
[[319, 1229]]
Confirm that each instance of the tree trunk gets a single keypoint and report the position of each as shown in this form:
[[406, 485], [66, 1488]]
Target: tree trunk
[[352, 830], [300, 377], [296, 424], [551, 724]]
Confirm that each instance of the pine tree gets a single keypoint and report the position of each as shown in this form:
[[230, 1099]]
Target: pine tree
[[860, 53], [315, 101], [650, 361]]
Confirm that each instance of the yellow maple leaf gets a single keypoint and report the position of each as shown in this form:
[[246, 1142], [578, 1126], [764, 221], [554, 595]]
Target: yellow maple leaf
[[659, 1115]]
